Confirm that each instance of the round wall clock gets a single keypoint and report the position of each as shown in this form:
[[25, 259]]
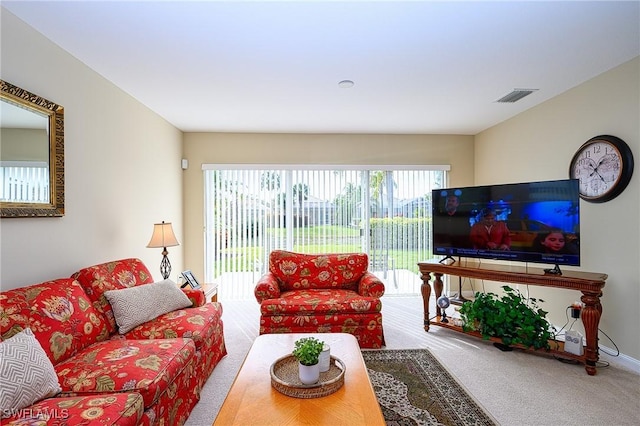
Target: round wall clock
[[603, 165]]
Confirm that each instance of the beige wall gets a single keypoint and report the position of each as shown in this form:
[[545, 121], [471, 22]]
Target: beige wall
[[122, 166], [539, 144], [227, 148], [24, 145]]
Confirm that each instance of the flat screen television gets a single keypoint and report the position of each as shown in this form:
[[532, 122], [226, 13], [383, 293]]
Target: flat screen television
[[535, 222]]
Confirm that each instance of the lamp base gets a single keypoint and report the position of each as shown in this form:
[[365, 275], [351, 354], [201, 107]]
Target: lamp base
[[165, 265]]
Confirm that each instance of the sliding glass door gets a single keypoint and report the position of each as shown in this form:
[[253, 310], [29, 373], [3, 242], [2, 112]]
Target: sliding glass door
[[251, 211]]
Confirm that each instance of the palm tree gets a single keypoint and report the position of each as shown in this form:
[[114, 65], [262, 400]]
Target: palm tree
[[300, 193], [346, 204], [381, 182], [270, 180]]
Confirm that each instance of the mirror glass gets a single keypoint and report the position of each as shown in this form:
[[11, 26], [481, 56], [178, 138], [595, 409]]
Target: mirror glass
[[31, 154], [24, 155]]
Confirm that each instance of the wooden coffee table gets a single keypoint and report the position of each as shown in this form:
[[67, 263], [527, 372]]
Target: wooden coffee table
[[253, 401]]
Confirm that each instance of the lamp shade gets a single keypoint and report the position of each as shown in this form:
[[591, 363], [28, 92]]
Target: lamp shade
[[163, 236]]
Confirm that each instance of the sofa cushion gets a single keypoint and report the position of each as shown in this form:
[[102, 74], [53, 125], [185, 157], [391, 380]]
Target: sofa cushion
[[62, 318], [148, 367], [26, 373], [123, 409], [295, 271], [198, 324], [107, 276], [137, 305], [320, 302]]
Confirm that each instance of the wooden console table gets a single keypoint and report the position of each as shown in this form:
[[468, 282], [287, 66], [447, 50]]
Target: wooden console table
[[590, 284]]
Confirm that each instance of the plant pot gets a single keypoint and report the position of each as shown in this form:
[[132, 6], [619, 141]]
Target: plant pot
[[309, 374]]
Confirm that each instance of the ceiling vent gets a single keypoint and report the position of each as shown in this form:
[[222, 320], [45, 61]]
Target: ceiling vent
[[516, 95]]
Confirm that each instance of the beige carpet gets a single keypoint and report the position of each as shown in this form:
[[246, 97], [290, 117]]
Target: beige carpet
[[516, 388]]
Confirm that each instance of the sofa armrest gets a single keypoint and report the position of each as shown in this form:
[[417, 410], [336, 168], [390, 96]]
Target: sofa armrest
[[197, 297], [370, 285], [267, 288]]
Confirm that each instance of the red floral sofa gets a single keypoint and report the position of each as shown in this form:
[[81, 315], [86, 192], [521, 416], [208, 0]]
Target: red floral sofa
[[150, 375], [321, 293]]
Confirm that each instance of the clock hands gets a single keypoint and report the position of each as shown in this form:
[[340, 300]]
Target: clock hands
[[608, 163], [595, 170]]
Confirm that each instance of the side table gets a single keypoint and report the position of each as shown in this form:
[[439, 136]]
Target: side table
[[211, 291]]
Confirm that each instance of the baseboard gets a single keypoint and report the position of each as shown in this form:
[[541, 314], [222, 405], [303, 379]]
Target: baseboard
[[621, 359]]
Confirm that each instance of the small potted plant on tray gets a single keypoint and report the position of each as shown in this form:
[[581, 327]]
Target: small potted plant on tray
[[307, 351]]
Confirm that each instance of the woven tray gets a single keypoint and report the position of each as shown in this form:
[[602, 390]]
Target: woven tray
[[284, 378]]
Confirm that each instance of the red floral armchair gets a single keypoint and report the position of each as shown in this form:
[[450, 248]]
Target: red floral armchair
[[321, 293]]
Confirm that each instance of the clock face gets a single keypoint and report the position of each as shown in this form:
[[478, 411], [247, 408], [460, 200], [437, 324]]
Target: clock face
[[598, 167], [603, 166]]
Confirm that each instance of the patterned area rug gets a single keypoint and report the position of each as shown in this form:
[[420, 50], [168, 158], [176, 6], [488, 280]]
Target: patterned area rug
[[413, 388]]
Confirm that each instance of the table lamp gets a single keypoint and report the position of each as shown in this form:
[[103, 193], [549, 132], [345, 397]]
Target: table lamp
[[164, 237]]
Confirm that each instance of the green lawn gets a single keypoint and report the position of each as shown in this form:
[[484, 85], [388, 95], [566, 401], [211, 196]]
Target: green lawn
[[244, 259]]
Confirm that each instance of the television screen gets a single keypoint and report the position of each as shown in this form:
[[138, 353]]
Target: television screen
[[527, 222]]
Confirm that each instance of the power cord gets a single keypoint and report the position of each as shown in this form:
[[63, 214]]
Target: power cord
[[575, 314], [566, 313], [560, 334], [612, 342]]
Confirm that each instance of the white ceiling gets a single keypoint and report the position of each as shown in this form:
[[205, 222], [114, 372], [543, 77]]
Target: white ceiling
[[272, 66], [16, 117]]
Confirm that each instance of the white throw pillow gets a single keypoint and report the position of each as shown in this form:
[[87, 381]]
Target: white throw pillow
[[136, 305], [26, 374]]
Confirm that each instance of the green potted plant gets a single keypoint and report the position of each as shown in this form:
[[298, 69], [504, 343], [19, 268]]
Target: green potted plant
[[307, 351], [510, 317]]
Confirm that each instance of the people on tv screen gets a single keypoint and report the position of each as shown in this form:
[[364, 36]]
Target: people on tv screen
[[554, 241], [490, 234], [451, 223]]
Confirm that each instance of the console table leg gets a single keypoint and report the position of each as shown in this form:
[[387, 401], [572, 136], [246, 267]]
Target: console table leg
[[591, 319], [425, 289], [438, 286]]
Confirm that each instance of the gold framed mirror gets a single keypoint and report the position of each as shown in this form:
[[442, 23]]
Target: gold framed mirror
[[31, 154]]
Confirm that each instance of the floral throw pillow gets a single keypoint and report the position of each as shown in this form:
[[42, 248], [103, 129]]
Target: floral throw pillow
[[26, 374], [136, 305]]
